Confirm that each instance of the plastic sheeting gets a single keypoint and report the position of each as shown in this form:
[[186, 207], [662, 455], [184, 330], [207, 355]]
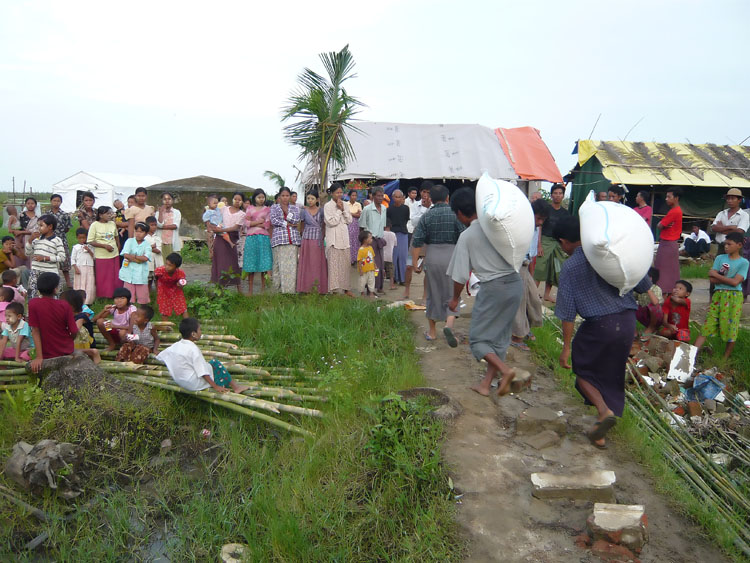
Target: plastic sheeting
[[528, 154], [105, 186], [404, 150]]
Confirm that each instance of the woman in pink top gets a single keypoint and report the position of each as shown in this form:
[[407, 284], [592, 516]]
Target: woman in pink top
[[257, 256]]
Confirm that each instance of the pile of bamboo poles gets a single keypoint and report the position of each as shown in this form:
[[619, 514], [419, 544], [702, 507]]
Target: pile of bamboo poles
[[14, 378], [272, 392]]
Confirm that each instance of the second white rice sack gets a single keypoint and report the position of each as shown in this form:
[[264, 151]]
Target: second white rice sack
[[617, 242], [506, 218]]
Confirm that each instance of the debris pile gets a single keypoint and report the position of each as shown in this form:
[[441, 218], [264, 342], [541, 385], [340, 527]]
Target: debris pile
[[702, 427]]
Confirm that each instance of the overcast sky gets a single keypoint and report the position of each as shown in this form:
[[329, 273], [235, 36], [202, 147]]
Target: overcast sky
[[177, 89]]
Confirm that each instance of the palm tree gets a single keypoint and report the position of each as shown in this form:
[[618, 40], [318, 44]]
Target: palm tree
[[323, 110], [275, 177]]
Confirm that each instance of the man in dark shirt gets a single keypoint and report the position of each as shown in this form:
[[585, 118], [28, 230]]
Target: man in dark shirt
[[602, 344], [53, 327], [550, 257], [398, 214]]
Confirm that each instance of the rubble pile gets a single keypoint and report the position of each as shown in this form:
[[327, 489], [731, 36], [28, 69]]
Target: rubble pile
[[702, 426]]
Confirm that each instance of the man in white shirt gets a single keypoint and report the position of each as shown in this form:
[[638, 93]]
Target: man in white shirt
[[423, 206], [697, 243], [411, 202], [730, 220]]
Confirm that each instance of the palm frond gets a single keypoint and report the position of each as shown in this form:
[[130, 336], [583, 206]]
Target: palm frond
[[275, 177]]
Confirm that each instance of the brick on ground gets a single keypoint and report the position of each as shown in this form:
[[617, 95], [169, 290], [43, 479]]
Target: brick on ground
[[619, 523], [536, 419]]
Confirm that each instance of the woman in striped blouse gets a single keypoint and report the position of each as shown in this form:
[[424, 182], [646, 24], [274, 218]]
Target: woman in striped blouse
[[46, 251]]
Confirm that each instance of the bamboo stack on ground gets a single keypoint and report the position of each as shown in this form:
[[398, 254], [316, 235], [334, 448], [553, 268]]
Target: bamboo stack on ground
[[233, 401]]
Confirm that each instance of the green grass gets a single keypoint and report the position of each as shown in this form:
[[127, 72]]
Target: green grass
[[370, 485], [195, 254], [644, 447], [694, 271]]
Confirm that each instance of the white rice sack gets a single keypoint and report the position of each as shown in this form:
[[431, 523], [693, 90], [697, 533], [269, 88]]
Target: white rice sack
[[506, 218], [617, 242]]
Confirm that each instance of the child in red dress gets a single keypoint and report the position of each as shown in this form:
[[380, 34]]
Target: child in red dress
[[170, 280]]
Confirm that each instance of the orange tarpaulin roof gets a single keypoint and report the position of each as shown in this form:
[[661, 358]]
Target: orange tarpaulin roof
[[528, 154]]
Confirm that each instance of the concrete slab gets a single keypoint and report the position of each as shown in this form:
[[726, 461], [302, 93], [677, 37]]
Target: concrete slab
[[536, 419], [593, 486]]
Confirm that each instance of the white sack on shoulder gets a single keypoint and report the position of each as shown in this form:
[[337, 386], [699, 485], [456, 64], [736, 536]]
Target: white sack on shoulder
[[617, 242], [506, 218]]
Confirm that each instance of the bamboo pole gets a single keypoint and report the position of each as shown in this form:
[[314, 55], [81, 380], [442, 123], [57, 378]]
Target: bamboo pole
[[233, 398], [10, 372], [232, 406], [13, 386]]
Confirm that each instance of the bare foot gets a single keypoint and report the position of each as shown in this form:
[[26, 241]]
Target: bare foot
[[481, 390], [504, 387], [240, 388]]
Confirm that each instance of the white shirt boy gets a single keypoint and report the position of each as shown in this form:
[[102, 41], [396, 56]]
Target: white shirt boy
[[186, 365], [740, 219]]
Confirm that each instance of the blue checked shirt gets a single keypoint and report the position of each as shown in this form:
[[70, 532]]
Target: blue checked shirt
[[438, 226], [582, 291]]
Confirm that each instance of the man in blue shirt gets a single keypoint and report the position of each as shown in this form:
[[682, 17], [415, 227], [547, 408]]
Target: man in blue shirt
[[602, 344]]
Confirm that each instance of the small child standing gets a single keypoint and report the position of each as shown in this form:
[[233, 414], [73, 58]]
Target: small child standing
[[134, 269], [143, 337], [45, 250], [366, 263], [390, 243], [153, 238], [170, 280], [188, 367], [676, 309], [213, 216], [16, 335], [82, 260], [116, 330], [724, 313]]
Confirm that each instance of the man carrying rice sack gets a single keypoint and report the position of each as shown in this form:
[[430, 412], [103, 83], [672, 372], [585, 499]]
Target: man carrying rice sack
[[601, 346], [497, 302], [550, 257]]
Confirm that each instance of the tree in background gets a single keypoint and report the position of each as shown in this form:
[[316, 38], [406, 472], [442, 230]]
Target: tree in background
[[322, 110]]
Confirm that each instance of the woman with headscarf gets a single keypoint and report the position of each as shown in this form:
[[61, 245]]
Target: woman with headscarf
[[224, 266]]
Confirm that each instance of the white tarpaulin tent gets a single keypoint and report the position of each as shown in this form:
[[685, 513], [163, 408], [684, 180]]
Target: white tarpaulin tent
[[105, 186], [405, 150]]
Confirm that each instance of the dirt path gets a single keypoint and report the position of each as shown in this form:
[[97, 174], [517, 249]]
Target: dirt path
[[491, 468]]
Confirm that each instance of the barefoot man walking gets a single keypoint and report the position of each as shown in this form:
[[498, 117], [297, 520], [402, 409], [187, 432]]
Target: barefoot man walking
[[500, 293], [602, 344]]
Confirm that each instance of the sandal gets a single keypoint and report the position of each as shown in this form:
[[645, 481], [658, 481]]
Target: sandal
[[520, 346], [450, 337], [427, 336], [601, 428]]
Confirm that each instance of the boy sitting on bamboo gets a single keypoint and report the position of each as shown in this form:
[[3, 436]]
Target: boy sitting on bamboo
[[188, 367]]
